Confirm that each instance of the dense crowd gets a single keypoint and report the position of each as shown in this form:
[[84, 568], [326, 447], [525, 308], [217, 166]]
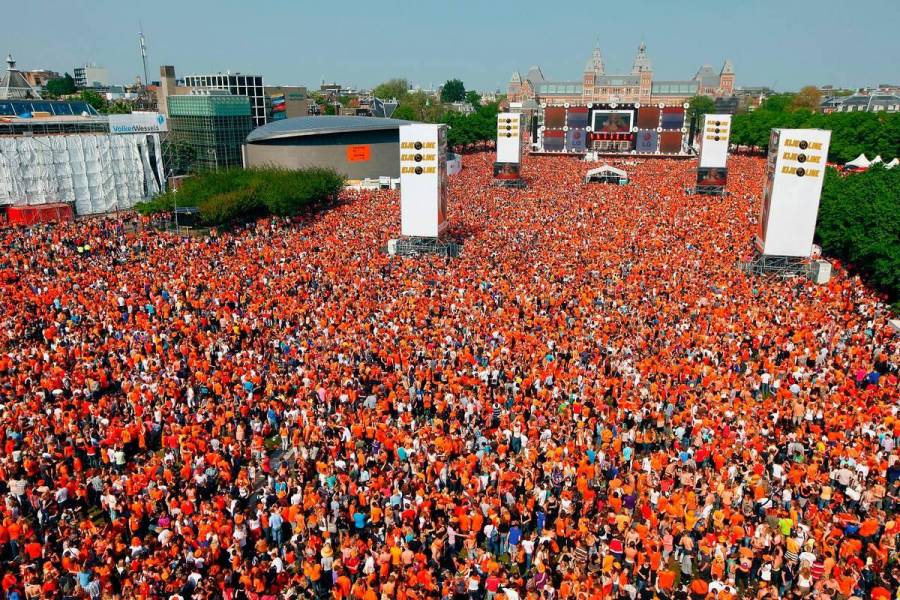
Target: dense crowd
[[590, 402]]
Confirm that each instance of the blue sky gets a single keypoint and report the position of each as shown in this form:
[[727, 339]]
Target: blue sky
[[785, 44]]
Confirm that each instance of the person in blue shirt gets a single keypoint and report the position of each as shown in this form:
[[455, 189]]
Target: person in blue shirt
[[515, 536], [359, 521]]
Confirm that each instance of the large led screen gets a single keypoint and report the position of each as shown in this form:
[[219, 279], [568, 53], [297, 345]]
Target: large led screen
[[554, 141], [577, 117], [554, 117], [672, 117], [648, 117], [506, 171], [670, 142], [612, 121], [712, 176], [647, 141], [576, 140]]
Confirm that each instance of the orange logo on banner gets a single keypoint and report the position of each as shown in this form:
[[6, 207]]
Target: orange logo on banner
[[359, 153]]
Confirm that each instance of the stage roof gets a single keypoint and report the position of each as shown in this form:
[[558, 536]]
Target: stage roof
[[321, 125]]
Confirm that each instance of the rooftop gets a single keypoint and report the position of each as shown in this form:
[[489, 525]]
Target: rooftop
[[303, 126]]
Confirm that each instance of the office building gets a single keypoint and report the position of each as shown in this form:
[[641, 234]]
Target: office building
[[239, 84], [91, 76], [286, 102], [214, 123]]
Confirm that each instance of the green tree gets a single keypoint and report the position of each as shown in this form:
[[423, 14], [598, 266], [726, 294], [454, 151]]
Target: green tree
[[179, 156], [119, 107], [405, 112], [700, 105], [94, 99], [851, 133], [809, 97], [473, 98], [778, 102], [480, 126], [453, 91], [61, 86], [859, 223], [396, 88], [419, 106]]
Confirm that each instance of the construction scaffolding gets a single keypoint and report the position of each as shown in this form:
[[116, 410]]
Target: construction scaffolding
[[96, 172]]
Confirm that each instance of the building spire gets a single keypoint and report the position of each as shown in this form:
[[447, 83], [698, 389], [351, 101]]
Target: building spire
[[595, 63], [13, 85], [641, 60]]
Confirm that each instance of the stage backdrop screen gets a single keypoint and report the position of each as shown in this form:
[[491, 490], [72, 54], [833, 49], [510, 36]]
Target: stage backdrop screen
[[670, 142], [576, 140], [793, 188], [554, 117], [509, 147], [672, 117], [714, 140], [577, 117], [554, 141], [647, 141], [612, 121], [648, 117], [423, 180]]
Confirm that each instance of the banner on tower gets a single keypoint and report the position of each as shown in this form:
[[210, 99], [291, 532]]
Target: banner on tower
[[509, 138], [795, 171], [714, 141], [423, 180]]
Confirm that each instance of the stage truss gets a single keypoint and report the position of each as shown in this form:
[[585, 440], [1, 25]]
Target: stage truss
[[417, 246], [518, 184], [710, 190], [780, 266]]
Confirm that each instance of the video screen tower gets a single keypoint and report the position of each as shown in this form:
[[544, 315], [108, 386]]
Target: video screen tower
[[712, 169], [507, 168]]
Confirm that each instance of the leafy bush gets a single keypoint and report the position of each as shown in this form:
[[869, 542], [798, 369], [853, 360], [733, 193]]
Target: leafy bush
[[242, 194], [231, 207], [859, 222]]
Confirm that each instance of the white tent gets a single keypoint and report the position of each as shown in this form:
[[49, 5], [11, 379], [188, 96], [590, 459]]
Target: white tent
[[860, 162], [876, 160], [892, 164], [606, 173]]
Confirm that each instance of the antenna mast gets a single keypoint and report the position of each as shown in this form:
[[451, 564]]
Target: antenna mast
[[144, 56]]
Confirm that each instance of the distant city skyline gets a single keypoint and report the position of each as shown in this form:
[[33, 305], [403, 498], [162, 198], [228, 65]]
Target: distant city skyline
[[771, 43]]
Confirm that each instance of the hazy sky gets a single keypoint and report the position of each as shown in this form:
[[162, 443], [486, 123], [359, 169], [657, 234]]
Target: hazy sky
[[781, 43]]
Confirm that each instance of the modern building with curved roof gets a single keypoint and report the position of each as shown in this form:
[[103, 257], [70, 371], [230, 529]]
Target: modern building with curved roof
[[358, 147]]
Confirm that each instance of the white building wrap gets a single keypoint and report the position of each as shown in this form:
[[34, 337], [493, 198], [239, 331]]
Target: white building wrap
[[509, 138], [97, 172], [790, 202], [423, 180], [714, 141]]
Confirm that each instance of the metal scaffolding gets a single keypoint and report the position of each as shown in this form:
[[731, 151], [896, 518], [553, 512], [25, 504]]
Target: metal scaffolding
[[417, 246], [710, 190], [781, 266]]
